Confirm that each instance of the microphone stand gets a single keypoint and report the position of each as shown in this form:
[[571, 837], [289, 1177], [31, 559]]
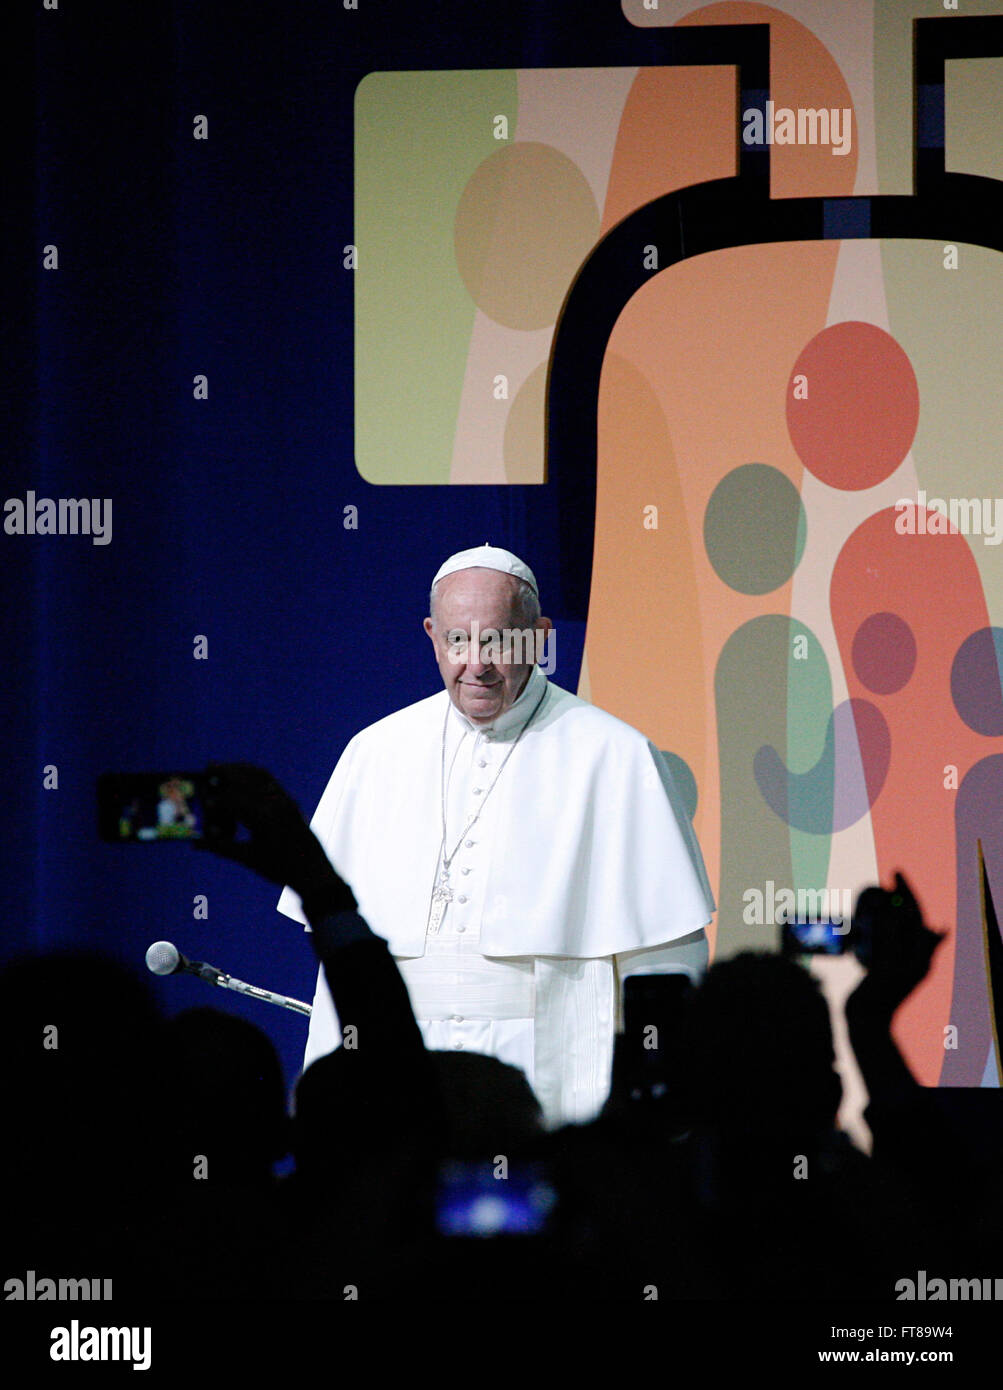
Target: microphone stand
[[266, 996]]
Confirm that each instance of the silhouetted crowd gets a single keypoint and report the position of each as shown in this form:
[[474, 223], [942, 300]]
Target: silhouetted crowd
[[143, 1149]]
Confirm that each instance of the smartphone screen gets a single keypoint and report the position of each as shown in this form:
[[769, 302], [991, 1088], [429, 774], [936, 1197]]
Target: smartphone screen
[[151, 807], [472, 1200], [803, 938]]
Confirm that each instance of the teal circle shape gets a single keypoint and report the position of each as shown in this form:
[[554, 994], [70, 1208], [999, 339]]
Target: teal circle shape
[[754, 529]]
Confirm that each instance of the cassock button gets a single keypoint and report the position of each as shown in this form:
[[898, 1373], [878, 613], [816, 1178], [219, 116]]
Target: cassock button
[[478, 790], [457, 1044], [457, 1018], [481, 762], [461, 898], [466, 870], [461, 929], [468, 844]]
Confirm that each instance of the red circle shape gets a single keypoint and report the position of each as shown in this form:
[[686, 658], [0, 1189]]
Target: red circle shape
[[852, 405]]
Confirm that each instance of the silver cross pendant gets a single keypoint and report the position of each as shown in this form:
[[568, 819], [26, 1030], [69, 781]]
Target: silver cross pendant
[[442, 895]]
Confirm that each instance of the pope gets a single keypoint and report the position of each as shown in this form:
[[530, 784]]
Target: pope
[[521, 851]]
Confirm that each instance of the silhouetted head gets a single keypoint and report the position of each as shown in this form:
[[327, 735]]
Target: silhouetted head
[[758, 1049], [222, 1096], [490, 1107], [471, 1106], [79, 1036]]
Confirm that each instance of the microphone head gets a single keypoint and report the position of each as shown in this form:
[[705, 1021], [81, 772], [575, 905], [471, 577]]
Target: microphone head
[[163, 958]]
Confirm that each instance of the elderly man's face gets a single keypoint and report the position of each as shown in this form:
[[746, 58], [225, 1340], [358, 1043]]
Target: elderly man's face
[[482, 681]]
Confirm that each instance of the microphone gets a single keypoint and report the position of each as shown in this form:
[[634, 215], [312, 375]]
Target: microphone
[[164, 958]]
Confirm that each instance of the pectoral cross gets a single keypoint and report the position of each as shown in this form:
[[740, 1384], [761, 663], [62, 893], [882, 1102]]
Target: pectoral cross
[[442, 895]]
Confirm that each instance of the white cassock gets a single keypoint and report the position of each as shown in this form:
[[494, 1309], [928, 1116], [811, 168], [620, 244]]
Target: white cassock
[[574, 865]]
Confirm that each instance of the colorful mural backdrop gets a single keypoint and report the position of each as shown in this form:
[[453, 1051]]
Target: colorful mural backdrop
[[779, 349]]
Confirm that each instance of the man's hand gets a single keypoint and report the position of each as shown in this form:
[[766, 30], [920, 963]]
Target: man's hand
[[901, 945], [282, 848]]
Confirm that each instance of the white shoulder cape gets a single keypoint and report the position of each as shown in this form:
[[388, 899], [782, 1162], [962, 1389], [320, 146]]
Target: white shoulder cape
[[598, 853]]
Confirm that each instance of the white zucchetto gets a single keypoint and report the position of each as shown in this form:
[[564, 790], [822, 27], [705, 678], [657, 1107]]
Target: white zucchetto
[[488, 557]]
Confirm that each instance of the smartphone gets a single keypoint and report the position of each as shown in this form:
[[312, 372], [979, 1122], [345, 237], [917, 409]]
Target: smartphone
[[160, 807], [831, 938], [652, 1008], [473, 1200], [801, 937]]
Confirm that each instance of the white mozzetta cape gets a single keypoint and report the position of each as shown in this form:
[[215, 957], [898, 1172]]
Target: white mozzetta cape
[[586, 844]]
